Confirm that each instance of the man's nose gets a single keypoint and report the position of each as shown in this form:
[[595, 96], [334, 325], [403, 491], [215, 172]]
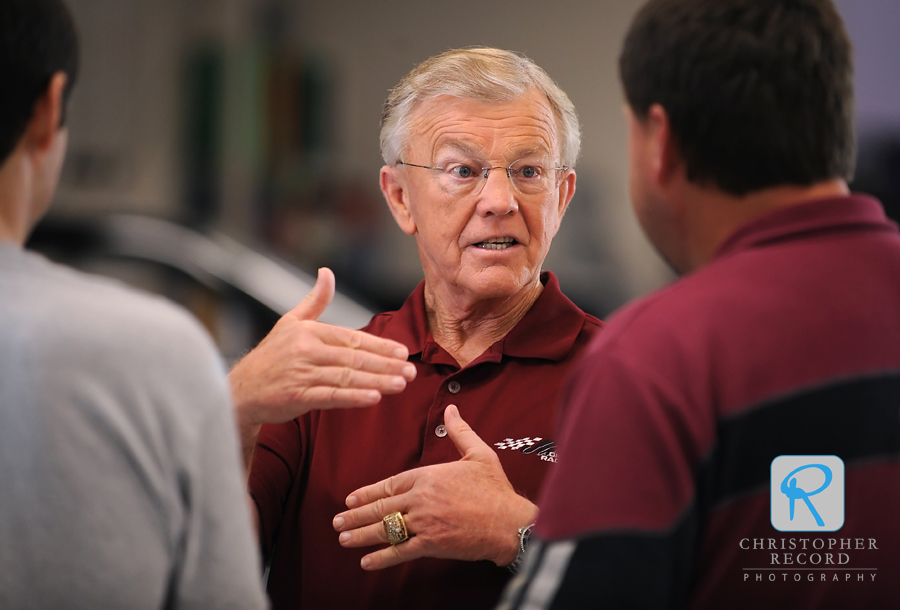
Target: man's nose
[[497, 194]]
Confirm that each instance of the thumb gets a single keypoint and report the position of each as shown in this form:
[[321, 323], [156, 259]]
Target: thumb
[[318, 299], [469, 444]]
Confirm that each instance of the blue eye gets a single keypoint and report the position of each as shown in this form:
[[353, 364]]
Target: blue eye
[[462, 171], [529, 172]]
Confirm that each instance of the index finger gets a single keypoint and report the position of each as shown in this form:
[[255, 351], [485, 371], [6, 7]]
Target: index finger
[[361, 340], [392, 486]]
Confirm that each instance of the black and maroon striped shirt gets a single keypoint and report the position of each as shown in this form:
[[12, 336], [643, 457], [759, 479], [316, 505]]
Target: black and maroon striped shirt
[[787, 343]]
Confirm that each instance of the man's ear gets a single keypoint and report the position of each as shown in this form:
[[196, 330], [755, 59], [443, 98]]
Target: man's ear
[[666, 160], [43, 127], [393, 187], [566, 191]]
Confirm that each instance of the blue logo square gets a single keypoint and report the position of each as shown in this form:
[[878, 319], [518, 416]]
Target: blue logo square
[[807, 493]]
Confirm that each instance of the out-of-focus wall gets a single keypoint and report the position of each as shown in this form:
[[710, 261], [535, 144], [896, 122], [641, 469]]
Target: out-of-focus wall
[[122, 117], [128, 115], [873, 27], [139, 144]]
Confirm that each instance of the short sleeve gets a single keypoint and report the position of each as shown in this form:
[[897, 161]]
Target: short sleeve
[[277, 462]]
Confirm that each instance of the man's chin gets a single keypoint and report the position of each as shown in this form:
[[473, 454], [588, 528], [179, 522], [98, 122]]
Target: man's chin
[[499, 282]]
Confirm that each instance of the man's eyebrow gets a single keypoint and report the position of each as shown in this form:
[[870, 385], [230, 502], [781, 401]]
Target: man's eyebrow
[[521, 153], [457, 146]]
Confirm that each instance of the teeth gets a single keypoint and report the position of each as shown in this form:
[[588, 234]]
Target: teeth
[[496, 243]]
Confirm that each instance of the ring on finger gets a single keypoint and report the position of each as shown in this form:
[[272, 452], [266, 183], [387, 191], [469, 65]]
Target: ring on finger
[[395, 528]]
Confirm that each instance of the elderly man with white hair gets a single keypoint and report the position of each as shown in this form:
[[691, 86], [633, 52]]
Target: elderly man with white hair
[[479, 146]]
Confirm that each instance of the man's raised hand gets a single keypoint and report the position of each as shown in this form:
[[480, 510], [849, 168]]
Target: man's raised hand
[[303, 364]]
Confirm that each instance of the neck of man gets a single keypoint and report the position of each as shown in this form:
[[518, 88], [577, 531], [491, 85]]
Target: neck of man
[[465, 327], [14, 195], [712, 216]]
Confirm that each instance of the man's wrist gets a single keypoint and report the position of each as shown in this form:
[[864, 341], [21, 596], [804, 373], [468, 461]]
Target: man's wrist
[[523, 513], [524, 536]]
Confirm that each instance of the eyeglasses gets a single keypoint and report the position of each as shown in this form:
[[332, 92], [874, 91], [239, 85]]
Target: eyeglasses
[[461, 178]]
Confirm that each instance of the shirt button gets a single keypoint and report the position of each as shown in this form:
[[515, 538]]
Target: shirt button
[[440, 431], [454, 387]]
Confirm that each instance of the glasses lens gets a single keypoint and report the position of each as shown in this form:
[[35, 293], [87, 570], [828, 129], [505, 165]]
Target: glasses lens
[[463, 177], [532, 176], [460, 177]]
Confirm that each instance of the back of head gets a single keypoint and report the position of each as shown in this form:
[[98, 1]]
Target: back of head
[[482, 74], [37, 40], [759, 93]]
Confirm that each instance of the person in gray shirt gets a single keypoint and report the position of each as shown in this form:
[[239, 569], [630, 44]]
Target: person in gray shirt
[[120, 476]]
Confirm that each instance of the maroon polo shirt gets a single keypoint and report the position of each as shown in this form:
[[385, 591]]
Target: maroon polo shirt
[[304, 469], [786, 343]]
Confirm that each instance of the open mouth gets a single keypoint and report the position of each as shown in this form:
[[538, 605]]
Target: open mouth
[[496, 243]]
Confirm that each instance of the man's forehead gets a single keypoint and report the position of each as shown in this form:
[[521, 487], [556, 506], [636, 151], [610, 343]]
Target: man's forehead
[[475, 148], [526, 125]]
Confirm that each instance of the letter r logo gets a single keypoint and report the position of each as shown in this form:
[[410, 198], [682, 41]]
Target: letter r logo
[[807, 493]]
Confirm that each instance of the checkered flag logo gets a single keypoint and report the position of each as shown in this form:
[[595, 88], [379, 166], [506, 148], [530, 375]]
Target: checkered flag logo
[[509, 443]]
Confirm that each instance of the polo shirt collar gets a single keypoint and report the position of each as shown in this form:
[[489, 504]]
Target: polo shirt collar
[[852, 212], [547, 331]]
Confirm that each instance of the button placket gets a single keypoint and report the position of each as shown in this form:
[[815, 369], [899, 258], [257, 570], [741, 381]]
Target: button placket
[[451, 387]]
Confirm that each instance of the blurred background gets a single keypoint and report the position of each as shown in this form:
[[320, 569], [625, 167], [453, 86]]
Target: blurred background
[[221, 150]]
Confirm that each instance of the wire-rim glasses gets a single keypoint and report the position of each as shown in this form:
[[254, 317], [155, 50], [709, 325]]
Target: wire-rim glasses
[[460, 178]]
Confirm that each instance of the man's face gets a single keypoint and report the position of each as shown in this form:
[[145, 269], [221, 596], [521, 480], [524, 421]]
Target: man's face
[[490, 242]]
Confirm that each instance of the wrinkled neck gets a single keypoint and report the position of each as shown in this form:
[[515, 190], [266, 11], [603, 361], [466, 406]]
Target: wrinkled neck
[[465, 327]]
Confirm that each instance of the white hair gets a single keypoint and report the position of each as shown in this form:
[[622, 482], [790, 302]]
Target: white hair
[[479, 73]]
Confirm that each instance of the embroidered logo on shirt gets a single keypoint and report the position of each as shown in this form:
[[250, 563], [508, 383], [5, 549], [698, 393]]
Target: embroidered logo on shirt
[[544, 448]]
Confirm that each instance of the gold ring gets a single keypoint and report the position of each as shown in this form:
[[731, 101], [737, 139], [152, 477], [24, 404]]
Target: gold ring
[[395, 528]]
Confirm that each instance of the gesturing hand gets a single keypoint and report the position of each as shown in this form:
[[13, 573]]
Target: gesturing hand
[[303, 364], [462, 510]]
